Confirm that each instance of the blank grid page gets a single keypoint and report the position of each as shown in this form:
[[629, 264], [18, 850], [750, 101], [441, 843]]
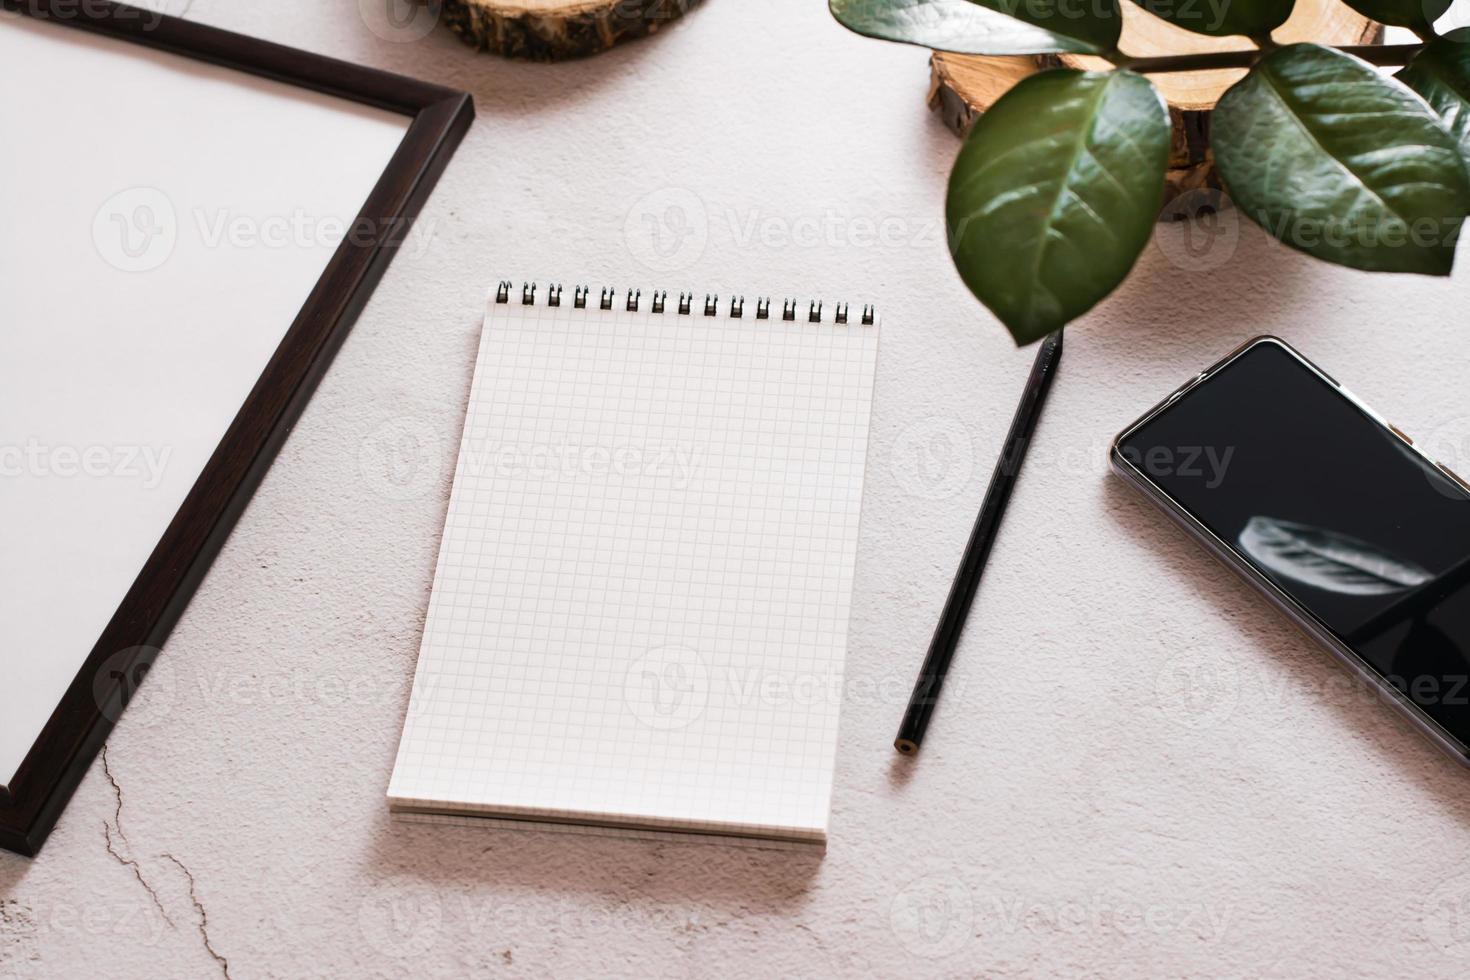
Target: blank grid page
[[640, 611]]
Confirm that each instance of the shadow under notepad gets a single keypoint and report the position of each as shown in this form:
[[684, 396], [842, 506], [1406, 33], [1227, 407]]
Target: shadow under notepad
[[737, 876]]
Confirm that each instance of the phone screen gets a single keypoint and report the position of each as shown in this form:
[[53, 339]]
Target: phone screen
[[1362, 532]]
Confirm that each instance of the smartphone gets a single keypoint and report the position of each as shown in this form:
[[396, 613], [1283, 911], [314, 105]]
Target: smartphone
[[1328, 511]]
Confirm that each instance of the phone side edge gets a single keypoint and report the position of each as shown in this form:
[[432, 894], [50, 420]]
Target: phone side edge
[[1343, 654]]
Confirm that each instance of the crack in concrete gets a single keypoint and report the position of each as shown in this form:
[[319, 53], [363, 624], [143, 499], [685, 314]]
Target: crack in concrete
[[127, 862], [108, 830], [203, 924]]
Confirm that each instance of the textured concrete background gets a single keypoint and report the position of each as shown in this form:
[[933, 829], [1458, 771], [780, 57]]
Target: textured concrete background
[[1138, 767]]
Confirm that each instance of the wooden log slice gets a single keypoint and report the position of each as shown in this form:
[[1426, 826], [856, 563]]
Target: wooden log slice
[[963, 86], [556, 30], [1145, 36]]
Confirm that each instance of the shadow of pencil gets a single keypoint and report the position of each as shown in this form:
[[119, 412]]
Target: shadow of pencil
[[901, 769]]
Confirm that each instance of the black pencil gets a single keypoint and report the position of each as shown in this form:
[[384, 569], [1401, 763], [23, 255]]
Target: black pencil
[[972, 566]]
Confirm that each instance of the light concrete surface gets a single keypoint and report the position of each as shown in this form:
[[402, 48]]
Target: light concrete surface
[[1137, 769]]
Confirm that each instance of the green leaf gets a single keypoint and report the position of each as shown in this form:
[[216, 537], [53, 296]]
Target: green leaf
[[1441, 73], [1055, 193], [988, 26], [1341, 162], [1402, 13], [1222, 18]]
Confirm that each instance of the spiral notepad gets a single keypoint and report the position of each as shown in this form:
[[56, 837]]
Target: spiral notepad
[[639, 616]]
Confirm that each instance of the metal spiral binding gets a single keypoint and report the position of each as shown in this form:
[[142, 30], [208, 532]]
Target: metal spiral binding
[[633, 302]]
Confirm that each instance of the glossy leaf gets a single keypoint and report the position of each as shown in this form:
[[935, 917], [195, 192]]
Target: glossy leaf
[[988, 26], [1441, 73], [1055, 193], [1221, 18], [1327, 559], [1341, 162], [1402, 13]]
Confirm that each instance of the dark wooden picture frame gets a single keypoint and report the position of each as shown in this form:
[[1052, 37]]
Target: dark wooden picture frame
[[55, 764]]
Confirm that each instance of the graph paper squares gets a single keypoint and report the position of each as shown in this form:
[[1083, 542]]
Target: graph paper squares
[[639, 615]]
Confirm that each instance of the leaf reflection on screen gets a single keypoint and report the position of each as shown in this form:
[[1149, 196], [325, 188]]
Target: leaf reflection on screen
[[1327, 559]]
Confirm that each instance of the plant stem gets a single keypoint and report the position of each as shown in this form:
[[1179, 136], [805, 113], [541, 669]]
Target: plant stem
[[1374, 54]]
